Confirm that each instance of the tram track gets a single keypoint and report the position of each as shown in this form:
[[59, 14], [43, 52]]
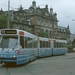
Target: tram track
[[4, 70], [7, 72], [31, 73]]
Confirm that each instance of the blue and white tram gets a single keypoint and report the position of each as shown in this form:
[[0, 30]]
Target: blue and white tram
[[49, 47], [44, 47], [17, 46], [59, 47]]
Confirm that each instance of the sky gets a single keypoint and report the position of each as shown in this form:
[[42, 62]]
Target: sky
[[65, 9]]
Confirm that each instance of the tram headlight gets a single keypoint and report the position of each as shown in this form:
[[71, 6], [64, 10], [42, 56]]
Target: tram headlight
[[1, 55], [14, 56]]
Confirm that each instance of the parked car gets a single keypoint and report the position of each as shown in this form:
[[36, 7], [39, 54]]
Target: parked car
[[73, 49]]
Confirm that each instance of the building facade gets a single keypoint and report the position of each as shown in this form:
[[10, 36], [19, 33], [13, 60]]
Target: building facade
[[36, 19]]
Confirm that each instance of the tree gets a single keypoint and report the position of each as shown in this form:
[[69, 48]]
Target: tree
[[73, 43], [3, 21], [43, 34], [26, 29]]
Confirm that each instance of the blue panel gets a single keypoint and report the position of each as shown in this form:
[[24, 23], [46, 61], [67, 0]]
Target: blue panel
[[59, 51], [45, 52]]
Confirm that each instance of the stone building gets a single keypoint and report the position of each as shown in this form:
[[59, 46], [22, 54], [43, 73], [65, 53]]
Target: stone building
[[36, 19], [64, 32]]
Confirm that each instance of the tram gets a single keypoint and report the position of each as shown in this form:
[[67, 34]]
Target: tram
[[18, 46], [49, 47]]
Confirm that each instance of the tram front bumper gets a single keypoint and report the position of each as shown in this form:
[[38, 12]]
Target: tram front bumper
[[8, 59]]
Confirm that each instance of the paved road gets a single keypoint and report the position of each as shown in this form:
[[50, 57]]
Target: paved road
[[57, 65]]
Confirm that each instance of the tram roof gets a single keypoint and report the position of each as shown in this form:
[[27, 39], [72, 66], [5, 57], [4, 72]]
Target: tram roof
[[25, 32], [49, 39]]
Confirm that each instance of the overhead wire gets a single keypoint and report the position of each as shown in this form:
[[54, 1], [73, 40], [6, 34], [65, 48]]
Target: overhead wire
[[7, 6]]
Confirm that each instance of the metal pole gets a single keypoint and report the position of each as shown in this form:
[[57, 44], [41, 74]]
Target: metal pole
[[8, 13]]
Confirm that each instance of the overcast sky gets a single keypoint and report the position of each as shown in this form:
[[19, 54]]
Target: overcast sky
[[65, 9]]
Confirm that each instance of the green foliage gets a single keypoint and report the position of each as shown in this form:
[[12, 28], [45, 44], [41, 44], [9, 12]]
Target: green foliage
[[70, 49], [63, 38], [26, 29], [43, 34], [3, 21], [73, 43]]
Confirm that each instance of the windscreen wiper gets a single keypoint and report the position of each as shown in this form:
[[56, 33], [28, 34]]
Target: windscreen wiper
[[14, 46]]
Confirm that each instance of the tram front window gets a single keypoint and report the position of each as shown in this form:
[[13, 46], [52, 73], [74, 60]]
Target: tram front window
[[9, 42]]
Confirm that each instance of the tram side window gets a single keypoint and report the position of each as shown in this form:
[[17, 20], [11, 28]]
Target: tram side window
[[59, 44], [55, 44], [22, 41], [43, 42], [65, 45], [62, 45], [46, 43], [34, 44], [26, 42], [49, 44], [30, 42], [40, 44]]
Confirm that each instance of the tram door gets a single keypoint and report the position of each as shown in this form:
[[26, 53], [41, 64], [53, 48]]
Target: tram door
[[22, 41]]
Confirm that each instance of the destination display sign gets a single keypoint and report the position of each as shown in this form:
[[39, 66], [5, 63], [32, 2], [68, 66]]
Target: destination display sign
[[8, 32]]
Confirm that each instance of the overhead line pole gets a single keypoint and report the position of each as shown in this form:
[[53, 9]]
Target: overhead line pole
[[8, 13]]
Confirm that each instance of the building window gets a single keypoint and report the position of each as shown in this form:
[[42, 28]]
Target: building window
[[42, 29], [60, 30], [46, 30], [50, 32]]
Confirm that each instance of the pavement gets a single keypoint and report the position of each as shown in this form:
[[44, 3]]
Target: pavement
[[56, 65]]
